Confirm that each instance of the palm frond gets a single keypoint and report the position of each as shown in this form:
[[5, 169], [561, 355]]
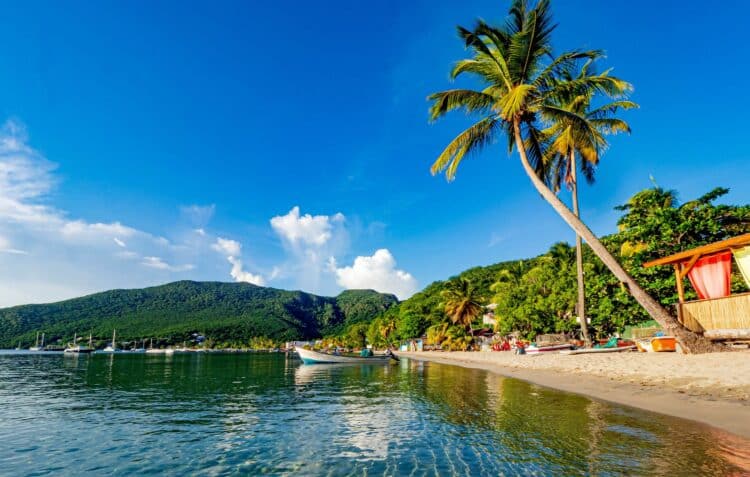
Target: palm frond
[[469, 100], [471, 140], [611, 108]]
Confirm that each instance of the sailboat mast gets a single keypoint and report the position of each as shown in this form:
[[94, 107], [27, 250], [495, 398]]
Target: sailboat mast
[[42, 340], [114, 347], [36, 342]]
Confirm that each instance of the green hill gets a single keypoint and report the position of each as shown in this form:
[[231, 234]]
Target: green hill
[[223, 312]]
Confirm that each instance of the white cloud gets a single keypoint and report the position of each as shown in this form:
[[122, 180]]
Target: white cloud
[[305, 229], [227, 247], [232, 250], [240, 275], [5, 247], [309, 242], [158, 263], [66, 256], [377, 272]]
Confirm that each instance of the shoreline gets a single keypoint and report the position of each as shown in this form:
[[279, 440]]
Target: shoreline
[[712, 389]]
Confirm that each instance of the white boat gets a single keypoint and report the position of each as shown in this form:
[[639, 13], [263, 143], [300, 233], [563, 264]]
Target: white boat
[[112, 348], [139, 350], [75, 348], [314, 357], [37, 346]]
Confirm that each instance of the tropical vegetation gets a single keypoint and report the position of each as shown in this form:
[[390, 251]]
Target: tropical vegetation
[[538, 295], [227, 314], [523, 85]]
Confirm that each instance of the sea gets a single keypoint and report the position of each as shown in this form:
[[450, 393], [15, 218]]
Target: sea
[[269, 414]]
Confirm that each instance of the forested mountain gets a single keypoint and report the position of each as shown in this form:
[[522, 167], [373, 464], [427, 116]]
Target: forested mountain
[[231, 313]]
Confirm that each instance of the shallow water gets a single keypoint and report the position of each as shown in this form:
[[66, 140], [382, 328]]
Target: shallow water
[[249, 414]]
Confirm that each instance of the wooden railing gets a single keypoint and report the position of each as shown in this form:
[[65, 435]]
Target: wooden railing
[[731, 312]]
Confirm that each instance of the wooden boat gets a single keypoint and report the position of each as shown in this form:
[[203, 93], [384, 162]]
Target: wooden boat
[[657, 344], [546, 349], [314, 357], [598, 350]]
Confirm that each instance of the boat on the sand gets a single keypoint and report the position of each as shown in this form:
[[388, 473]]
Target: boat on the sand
[[547, 349], [598, 350], [315, 357], [657, 344]]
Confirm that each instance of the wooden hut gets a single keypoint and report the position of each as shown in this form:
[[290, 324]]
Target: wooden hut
[[717, 313]]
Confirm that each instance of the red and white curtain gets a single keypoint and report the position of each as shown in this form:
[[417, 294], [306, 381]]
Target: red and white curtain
[[711, 276]]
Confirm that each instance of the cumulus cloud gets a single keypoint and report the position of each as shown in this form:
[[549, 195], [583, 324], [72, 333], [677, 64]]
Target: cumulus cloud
[[310, 241], [377, 272], [306, 229], [227, 247], [232, 250]]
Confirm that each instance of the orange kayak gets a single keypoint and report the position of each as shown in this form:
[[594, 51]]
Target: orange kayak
[[657, 344]]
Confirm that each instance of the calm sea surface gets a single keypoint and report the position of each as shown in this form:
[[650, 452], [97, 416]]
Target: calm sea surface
[[249, 414]]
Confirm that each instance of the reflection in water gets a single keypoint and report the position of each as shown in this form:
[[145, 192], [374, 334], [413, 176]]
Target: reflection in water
[[251, 414]]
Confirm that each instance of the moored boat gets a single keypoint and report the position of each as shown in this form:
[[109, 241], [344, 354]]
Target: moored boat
[[37, 346], [112, 348], [75, 348], [315, 357]]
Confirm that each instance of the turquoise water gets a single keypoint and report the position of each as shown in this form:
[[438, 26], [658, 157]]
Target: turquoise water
[[250, 414]]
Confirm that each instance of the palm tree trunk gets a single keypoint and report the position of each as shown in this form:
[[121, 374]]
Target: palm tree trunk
[[579, 255], [690, 342]]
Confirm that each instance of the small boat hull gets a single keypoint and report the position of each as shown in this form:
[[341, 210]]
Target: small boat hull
[[664, 344], [598, 350], [314, 357], [78, 350], [657, 344], [547, 349]]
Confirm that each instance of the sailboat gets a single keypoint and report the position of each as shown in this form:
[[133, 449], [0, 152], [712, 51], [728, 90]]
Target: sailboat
[[75, 348], [139, 350], [37, 346], [112, 348], [152, 350]]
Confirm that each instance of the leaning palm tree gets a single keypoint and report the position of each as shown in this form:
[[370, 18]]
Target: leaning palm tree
[[521, 81], [578, 129], [462, 302]]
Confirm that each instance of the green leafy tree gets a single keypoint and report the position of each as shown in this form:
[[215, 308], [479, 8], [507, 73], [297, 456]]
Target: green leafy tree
[[520, 81]]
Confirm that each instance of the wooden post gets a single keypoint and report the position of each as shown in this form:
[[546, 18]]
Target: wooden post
[[680, 286]]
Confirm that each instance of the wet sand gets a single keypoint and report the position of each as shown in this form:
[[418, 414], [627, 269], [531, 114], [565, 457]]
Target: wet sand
[[713, 389]]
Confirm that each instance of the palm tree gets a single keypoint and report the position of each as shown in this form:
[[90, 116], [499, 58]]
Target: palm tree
[[578, 129], [521, 81], [462, 302], [388, 327]]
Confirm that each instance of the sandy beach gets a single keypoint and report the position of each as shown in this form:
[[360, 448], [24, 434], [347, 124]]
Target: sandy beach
[[712, 388]]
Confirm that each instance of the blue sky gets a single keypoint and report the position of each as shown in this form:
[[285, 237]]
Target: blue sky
[[139, 134]]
